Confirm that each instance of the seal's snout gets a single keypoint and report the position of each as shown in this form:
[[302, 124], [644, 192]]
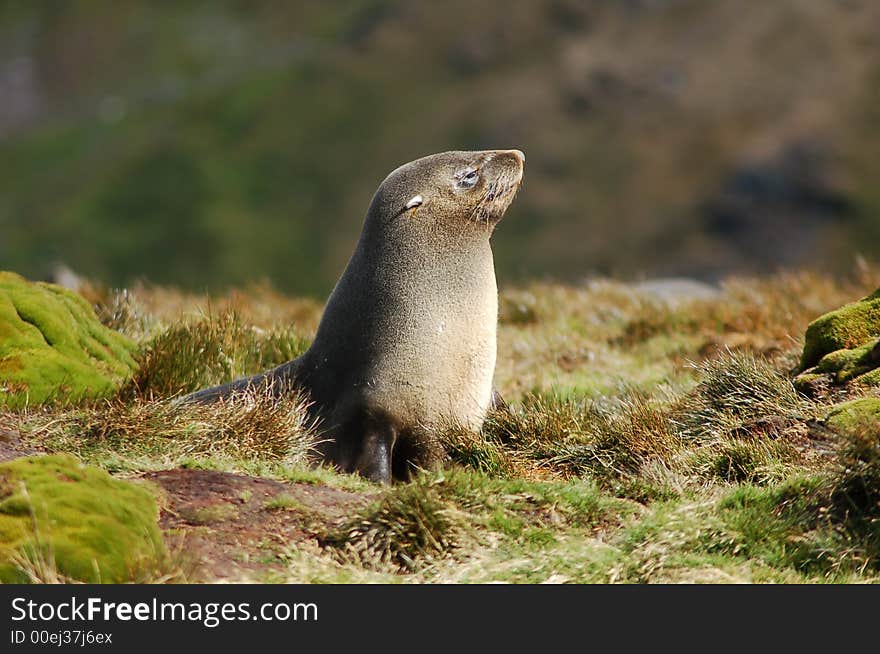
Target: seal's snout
[[512, 166], [508, 166], [515, 157], [504, 174]]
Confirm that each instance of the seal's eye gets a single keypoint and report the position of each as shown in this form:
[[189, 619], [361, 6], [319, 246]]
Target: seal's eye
[[467, 178]]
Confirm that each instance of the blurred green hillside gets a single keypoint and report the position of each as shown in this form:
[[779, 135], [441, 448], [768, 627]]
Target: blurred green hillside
[[214, 144]]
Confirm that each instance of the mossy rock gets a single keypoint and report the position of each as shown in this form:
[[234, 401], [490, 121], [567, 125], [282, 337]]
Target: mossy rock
[[850, 415], [870, 378], [846, 328], [812, 384], [95, 528], [52, 345], [846, 365]]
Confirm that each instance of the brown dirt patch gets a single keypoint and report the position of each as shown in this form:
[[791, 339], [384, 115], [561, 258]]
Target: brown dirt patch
[[11, 446], [235, 527]]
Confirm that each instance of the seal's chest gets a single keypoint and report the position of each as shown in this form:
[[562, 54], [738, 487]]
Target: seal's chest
[[441, 370]]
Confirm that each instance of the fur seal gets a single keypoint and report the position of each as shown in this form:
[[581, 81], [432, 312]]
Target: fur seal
[[408, 335]]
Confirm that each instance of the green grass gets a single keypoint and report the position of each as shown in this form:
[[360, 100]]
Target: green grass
[[722, 472], [285, 503]]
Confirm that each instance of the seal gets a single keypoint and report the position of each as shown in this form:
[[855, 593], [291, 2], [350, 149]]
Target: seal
[[407, 339]]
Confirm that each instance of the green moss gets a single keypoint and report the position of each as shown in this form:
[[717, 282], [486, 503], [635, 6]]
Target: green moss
[[285, 502], [840, 359], [847, 415], [848, 364], [846, 328], [94, 527], [208, 515], [52, 345]]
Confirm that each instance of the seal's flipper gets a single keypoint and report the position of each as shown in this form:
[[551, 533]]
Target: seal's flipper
[[215, 393], [281, 380], [377, 446]]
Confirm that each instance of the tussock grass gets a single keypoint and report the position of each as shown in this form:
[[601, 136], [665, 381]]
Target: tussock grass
[[636, 432], [214, 350], [409, 527], [743, 422], [572, 437], [760, 462], [549, 432], [122, 310], [736, 391], [552, 437], [251, 424], [478, 451]]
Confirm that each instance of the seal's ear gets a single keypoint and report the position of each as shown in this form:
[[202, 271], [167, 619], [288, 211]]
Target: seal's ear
[[414, 202]]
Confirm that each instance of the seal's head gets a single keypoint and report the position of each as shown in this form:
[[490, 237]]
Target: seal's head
[[456, 191]]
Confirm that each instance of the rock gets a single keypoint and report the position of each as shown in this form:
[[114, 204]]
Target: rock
[[870, 378], [848, 364], [845, 328], [849, 415], [677, 290], [63, 275], [52, 345], [813, 385], [86, 525], [844, 345]]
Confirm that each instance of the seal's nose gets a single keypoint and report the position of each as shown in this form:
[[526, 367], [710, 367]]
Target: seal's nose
[[517, 154]]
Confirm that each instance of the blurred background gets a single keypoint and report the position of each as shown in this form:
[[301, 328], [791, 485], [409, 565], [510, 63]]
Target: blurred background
[[214, 144]]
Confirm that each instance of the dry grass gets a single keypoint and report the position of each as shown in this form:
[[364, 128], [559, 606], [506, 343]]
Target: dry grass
[[208, 352], [739, 391], [762, 315], [250, 424], [604, 336], [144, 309]]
